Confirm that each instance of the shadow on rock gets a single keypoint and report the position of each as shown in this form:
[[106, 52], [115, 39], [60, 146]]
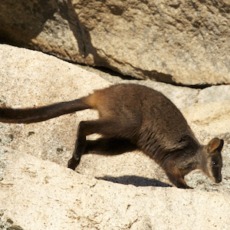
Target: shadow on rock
[[134, 180]]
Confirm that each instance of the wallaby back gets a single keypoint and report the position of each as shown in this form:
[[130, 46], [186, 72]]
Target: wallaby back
[[156, 119]]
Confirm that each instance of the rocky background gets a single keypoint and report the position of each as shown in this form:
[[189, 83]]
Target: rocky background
[[128, 191], [185, 43]]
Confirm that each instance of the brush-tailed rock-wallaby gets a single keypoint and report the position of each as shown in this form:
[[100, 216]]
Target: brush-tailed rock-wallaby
[[133, 117]]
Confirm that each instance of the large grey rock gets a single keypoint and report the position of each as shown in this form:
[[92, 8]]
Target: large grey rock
[[39, 194], [185, 42], [128, 191]]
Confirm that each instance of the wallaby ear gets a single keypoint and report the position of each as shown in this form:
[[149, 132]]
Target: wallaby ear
[[215, 144]]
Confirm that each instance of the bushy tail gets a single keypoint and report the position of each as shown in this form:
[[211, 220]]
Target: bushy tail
[[31, 115]]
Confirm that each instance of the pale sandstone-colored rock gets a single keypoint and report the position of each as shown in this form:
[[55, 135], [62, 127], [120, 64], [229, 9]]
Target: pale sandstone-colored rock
[[39, 194], [185, 42], [130, 193]]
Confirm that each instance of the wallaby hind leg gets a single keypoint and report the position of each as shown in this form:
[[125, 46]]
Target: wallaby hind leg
[[107, 128], [79, 147]]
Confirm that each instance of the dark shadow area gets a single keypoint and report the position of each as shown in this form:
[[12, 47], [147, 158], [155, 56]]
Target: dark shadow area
[[200, 86], [21, 21], [116, 73], [154, 76], [109, 146], [135, 180], [116, 146], [80, 31]]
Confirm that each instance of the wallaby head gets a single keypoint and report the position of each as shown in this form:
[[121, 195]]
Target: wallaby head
[[211, 159]]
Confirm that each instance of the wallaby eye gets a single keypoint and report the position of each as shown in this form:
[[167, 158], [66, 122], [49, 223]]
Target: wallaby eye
[[214, 163]]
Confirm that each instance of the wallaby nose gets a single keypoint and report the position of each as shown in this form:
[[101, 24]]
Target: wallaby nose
[[218, 179]]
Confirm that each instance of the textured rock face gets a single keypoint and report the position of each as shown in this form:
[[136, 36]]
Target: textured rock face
[[173, 41], [127, 191], [42, 195]]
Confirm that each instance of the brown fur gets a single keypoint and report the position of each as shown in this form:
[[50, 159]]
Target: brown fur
[[130, 117]]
